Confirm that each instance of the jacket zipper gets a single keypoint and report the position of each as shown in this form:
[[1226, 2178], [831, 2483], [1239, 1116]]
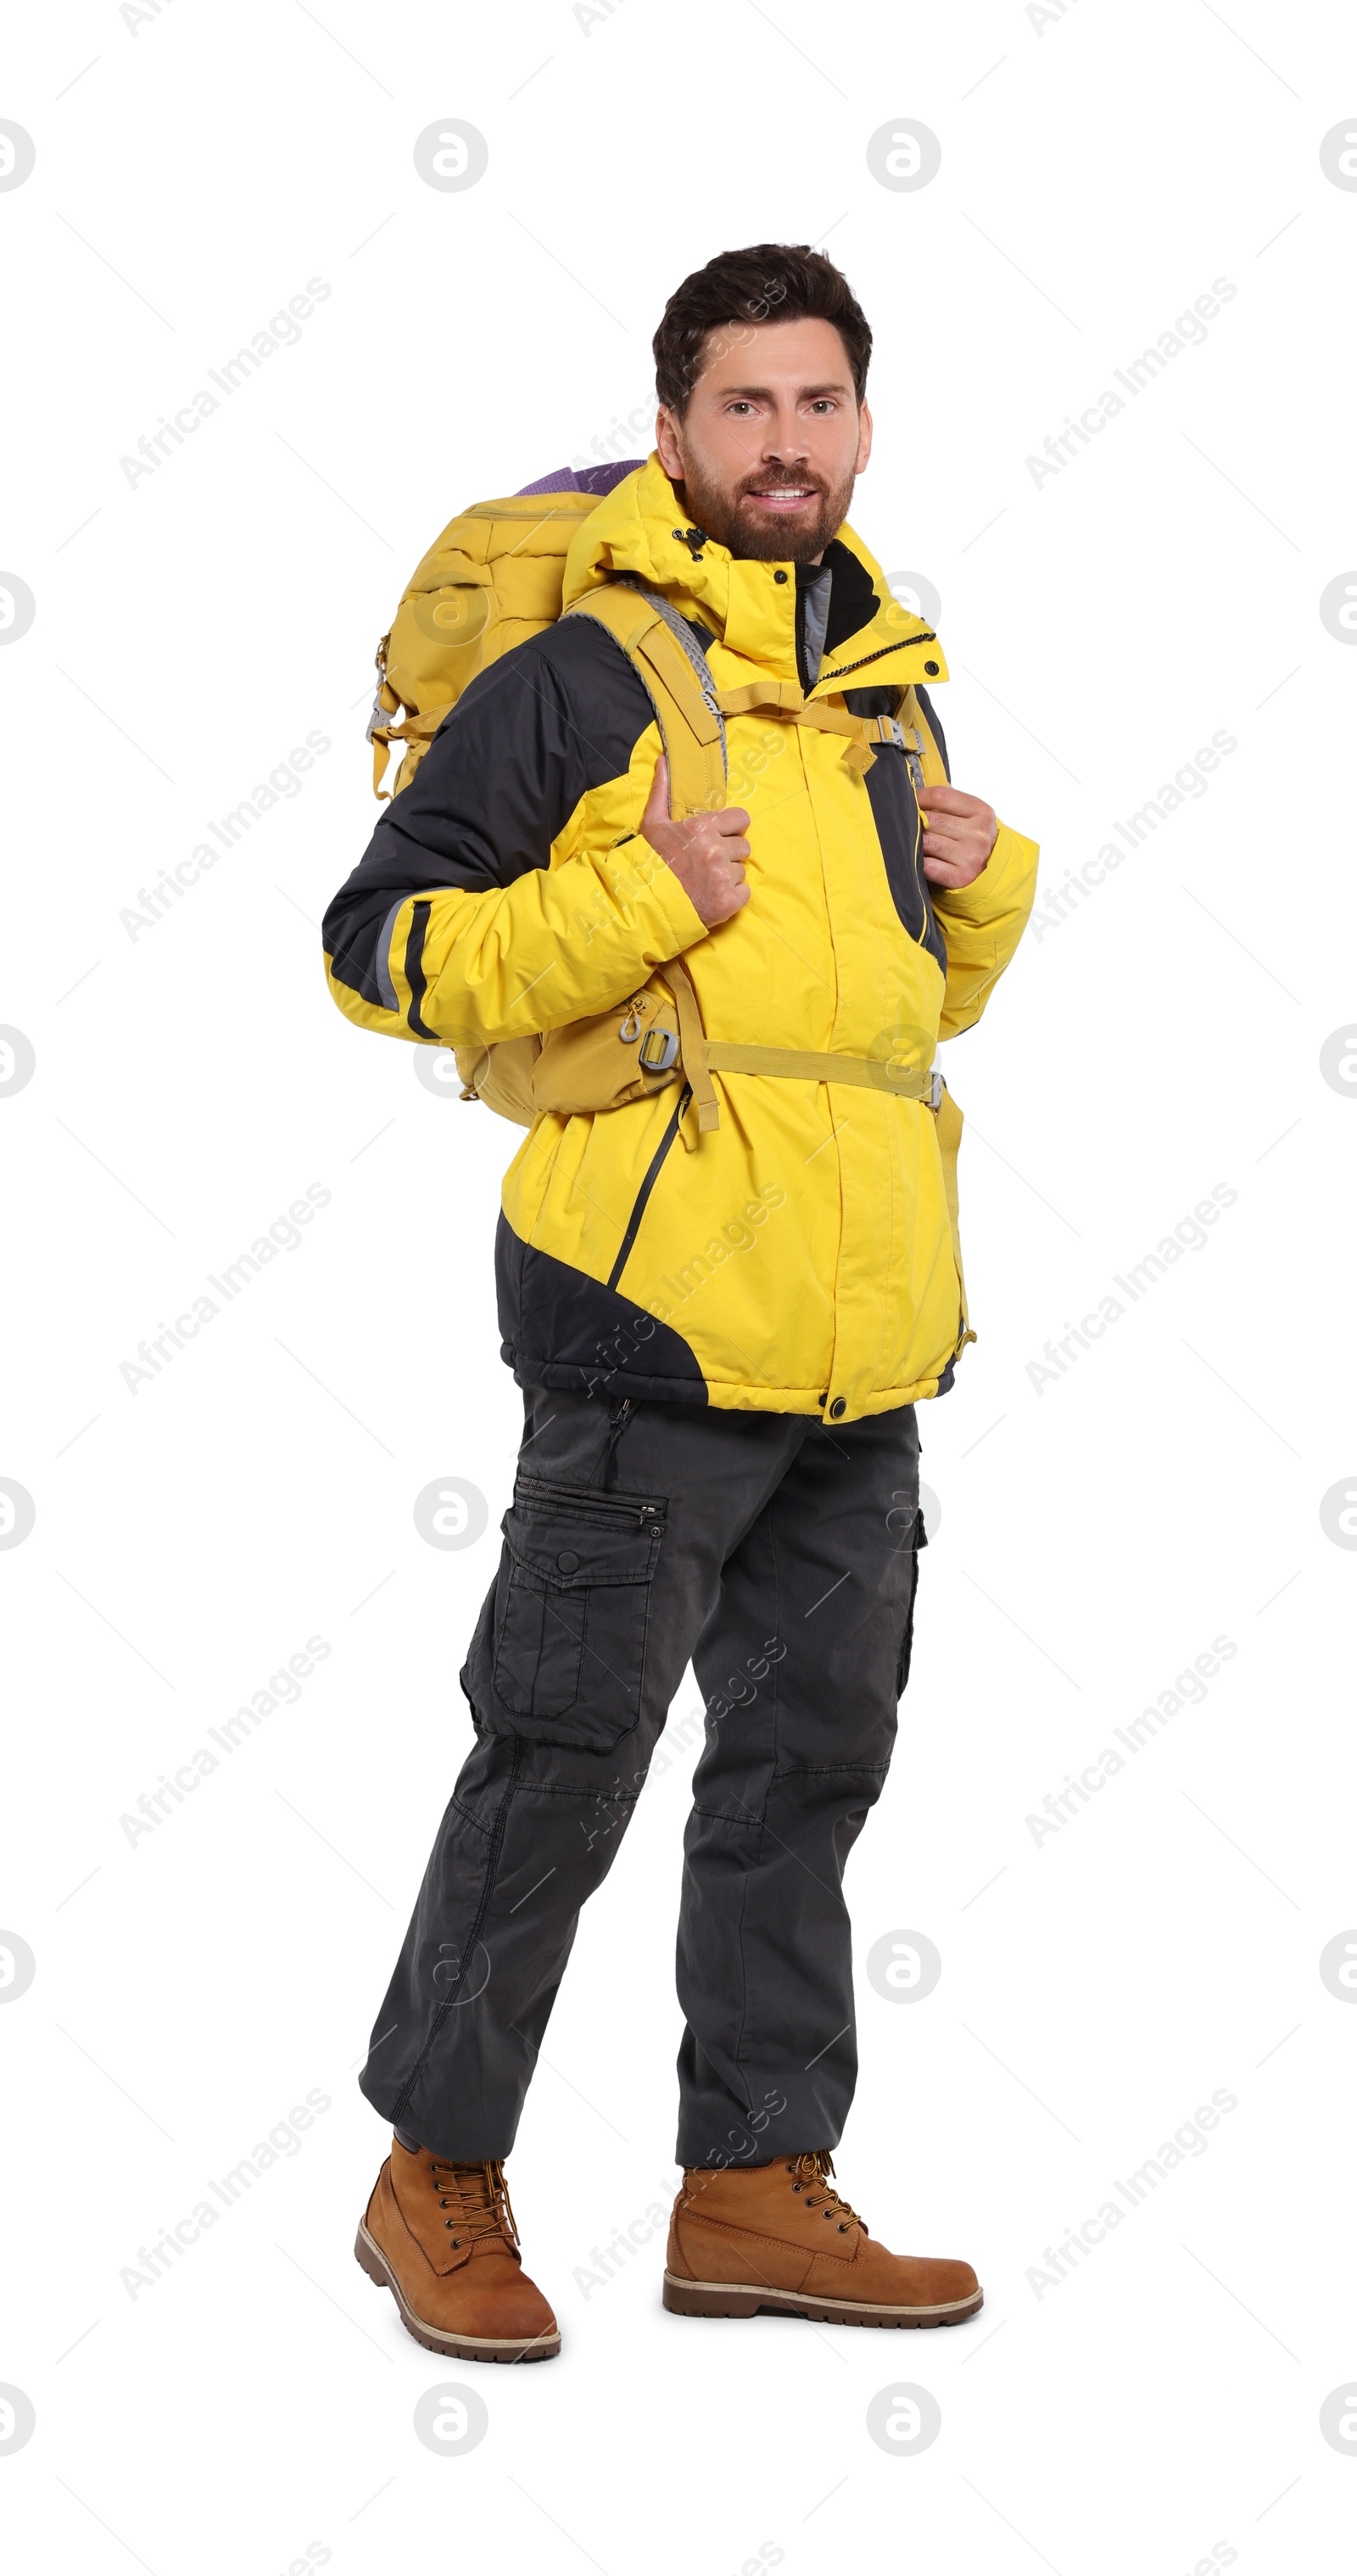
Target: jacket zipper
[[833, 677], [647, 1185], [616, 1426]]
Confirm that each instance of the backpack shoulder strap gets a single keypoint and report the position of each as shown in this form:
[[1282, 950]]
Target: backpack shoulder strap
[[673, 670]]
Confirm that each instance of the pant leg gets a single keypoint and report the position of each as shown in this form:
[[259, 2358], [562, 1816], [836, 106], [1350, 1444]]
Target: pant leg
[[614, 1546], [801, 1662]]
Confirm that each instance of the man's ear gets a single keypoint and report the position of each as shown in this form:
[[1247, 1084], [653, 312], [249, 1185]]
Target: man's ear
[[667, 442], [864, 439]]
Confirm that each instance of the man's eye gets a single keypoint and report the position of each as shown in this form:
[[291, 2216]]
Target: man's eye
[[824, 404]]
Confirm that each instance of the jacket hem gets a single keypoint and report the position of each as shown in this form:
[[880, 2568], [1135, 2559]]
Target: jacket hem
[[723, 1396]]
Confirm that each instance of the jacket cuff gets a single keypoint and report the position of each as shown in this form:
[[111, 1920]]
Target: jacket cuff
[[1003, 884], [645, 884]]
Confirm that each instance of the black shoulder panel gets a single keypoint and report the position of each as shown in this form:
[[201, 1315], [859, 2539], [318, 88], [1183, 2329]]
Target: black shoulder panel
[[505, 771]]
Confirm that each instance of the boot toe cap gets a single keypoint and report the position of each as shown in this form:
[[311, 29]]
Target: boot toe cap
[[502, 2309]]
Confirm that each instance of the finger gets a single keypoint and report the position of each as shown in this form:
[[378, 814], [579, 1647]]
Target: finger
[[949, 838], [950, 800], [732, 818], [657, 803]]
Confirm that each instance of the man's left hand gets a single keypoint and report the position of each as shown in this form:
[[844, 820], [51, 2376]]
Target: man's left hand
[[959, 833]]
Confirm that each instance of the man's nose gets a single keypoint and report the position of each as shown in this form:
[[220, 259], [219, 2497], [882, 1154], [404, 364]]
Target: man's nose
[[784, 436]]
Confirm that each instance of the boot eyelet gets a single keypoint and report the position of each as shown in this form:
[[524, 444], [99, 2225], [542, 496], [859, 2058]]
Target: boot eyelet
[[843, 2227]]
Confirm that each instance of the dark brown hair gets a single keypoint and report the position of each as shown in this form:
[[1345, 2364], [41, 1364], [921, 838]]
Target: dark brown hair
[[773, 282]]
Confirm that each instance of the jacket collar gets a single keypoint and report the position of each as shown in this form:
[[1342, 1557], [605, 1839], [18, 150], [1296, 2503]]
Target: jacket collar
[[638, 529]]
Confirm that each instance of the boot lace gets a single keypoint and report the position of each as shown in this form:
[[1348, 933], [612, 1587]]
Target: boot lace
[[811, 2174], [479, 2196]]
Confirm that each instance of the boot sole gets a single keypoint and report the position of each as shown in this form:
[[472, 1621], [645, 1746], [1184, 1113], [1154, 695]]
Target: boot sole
[[372, 2260], [736, 2299]]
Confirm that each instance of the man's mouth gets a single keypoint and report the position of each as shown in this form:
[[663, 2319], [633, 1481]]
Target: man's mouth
[[784, 497]]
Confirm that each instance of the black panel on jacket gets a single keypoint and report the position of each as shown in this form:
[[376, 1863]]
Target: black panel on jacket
[[559, 1327], [896, 816], [502, 776], [934, 727]]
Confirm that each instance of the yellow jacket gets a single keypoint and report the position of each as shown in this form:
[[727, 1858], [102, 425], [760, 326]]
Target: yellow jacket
[[800, 1258]]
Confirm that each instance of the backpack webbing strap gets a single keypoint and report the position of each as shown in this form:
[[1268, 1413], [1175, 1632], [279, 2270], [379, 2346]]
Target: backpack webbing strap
[[421, 728], [693, 1048], [779, 698], [689, 721], [868, 1073], [702, 1056]]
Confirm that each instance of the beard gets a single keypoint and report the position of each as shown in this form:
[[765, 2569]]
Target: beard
[[736, 522]]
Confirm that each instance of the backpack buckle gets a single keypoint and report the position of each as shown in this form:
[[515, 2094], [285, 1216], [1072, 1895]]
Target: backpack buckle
[[933, 1098], [658, 1050], [905, 739]]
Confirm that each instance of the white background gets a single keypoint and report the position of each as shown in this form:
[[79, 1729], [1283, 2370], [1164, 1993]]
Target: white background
[[1098, 172]]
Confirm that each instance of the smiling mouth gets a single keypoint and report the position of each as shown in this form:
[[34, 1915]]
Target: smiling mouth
[[785, 496]]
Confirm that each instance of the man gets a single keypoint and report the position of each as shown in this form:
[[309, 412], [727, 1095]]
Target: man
[[721, 1331]]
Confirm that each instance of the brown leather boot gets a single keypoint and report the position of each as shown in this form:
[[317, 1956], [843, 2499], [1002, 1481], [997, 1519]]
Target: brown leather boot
[[779, 2237], [442, 2238]]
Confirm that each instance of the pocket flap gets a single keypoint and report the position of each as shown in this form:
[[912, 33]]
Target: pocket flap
[[574, 1539]]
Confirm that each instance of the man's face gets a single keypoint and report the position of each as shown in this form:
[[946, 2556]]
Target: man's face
[[772, 440]]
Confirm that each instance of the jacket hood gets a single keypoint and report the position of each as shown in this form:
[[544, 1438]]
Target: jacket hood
[[749, 606]]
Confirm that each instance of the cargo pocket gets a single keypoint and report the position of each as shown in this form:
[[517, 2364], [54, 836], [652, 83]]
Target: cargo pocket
[[920, 1539], [567, 1641]]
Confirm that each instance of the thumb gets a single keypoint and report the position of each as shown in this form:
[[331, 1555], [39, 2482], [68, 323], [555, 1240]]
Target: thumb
[[657, 803]]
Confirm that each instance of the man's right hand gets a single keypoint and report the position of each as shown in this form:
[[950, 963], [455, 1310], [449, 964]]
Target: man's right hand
[[706, 851]]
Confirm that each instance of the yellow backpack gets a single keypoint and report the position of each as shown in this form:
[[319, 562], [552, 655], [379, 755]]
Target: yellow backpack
[[493, 578]]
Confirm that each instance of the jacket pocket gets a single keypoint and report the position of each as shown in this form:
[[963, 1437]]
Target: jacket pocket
[[572, 1605]]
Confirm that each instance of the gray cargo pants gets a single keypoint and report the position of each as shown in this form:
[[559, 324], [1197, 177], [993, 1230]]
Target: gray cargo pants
[[780, 1554]]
